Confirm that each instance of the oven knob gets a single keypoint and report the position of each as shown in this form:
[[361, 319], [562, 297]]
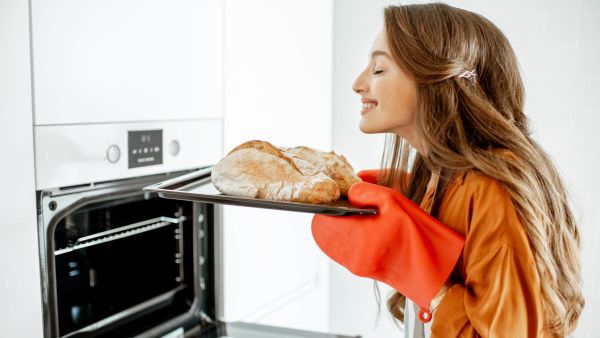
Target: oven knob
[[174, 147], [113, 154]]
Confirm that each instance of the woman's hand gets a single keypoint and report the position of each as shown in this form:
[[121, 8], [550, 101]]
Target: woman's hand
[[370, 175], [402, 245]]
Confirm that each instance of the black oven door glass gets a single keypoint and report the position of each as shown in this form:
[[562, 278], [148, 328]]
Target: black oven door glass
[[123, 257]]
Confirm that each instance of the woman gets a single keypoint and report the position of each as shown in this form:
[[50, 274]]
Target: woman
[[493, 248]]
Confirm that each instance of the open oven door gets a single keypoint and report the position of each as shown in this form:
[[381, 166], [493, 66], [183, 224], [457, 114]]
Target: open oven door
[[250, 330], [197, 187]]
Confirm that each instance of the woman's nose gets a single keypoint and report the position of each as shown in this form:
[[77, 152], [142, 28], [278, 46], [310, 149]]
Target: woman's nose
[[358, 86]]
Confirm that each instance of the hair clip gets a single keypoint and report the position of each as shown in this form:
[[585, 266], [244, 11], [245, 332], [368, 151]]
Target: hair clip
[[468, 74]]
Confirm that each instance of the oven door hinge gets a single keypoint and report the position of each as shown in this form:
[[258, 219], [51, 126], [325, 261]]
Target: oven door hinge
[[206, 318]]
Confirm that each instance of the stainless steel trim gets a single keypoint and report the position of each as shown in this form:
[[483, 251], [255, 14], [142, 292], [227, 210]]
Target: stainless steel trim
[[180, 181], [254, 330], [165, 297], [180, 255], [168, 326], [219, 261]]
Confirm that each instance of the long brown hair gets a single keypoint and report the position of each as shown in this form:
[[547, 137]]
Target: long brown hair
[[462, 121]]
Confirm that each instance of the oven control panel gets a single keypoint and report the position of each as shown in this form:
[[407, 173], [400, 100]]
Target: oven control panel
[[76, 154], [144, 148]]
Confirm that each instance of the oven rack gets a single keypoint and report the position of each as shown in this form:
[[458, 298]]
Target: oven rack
[[120, 232]]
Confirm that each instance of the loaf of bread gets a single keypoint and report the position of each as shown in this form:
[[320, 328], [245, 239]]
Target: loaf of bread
[[257, 169], [331, 164]]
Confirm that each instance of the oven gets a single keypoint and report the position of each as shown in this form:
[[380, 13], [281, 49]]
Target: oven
[[120, 261]]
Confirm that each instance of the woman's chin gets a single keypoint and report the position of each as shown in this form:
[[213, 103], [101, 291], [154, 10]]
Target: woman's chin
[[368, 128]]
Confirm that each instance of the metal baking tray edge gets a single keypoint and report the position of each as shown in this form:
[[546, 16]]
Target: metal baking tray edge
[[171, 189]]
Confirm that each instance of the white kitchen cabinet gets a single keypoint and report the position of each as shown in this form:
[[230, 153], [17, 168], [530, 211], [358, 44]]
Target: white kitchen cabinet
[[102, 61], [278, 89]]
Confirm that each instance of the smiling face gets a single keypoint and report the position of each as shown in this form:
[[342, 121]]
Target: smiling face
[[388, 94]]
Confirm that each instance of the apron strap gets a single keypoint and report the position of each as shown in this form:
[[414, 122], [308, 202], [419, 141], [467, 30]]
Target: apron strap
[[426, 204], [419, 327]]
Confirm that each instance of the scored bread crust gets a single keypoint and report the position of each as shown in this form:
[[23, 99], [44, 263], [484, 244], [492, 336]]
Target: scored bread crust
[[257, 169], [331, 164], [265, 147]]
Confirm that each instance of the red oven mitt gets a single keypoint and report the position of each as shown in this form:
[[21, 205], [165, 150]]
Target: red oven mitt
[[371, 175], [402, 246]]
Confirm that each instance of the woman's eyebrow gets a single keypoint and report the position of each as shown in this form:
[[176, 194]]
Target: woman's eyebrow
[[379, 52]]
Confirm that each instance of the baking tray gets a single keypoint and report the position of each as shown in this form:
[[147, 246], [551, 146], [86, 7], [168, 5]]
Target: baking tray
[[197, 187]]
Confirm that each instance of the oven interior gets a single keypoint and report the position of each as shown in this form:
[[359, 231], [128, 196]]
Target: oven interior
[[119, 263]]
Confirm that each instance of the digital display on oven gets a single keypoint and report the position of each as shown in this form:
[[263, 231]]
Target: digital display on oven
[[144, 148]]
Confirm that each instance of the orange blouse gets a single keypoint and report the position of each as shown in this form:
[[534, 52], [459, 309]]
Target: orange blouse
[[495, 288]]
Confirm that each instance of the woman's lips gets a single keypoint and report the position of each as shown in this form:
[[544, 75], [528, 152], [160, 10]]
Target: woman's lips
[[368, 105]]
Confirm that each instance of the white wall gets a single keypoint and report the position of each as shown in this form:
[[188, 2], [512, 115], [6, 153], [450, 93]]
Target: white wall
[[20, 299], [558, 46], [352, 301], [277, 89]]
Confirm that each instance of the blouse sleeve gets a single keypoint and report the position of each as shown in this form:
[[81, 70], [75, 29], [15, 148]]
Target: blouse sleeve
[[501, 295]]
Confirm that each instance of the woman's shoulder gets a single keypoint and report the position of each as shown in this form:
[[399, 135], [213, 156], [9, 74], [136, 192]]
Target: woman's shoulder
[[478, 190], [475, 182], [480, 205], [482, 208]]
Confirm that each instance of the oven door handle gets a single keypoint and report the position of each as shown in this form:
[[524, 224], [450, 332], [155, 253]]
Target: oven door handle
[[180, 181]]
